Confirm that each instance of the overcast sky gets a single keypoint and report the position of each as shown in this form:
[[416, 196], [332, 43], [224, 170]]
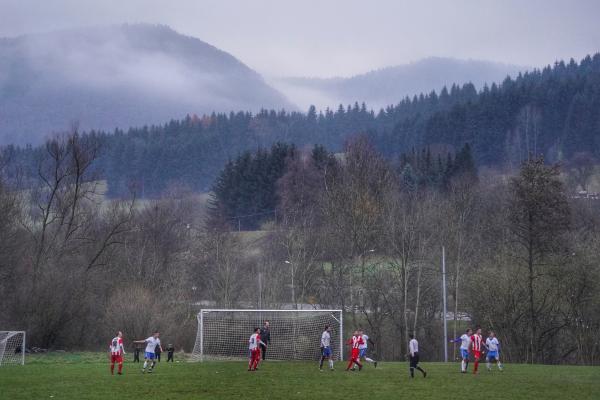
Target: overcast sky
[[341, 37]]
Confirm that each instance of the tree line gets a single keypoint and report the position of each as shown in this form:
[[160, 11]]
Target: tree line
[[246, 193], [551, 111], [353, 231]]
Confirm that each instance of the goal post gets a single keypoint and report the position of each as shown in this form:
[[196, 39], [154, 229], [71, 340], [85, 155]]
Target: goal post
[[295, 334], [12, 348]]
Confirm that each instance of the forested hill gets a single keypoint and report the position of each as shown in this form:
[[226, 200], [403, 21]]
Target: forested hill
[[554, 112], [385, 86], [118, 76]]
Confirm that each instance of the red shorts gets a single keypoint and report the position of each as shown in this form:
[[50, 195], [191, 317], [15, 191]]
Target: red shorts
[[477, 354], [255, 354], [116, 358], [354, 354]]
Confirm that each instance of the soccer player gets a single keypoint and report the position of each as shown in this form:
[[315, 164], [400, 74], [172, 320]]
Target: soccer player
[[413, 347], [493, 354], [136, 352], [265, 336], [355, 343], [149, 356], [116, 353], [157, 352], [364, 347], [170, 352], [476, 343], [326, 352], [465, 344], [253, 345]]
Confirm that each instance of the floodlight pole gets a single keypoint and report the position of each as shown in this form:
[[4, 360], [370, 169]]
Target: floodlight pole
[[260, 290], [444, 300], [294, 303]]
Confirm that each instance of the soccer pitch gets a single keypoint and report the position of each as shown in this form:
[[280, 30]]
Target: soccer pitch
[[87, 376]]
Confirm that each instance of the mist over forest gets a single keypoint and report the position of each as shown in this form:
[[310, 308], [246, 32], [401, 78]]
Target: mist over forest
[[118, 76]]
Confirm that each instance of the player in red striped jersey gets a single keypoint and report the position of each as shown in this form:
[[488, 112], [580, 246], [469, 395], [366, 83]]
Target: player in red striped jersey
[[355, 343], [476, 344], [254, 344], [116, 353]]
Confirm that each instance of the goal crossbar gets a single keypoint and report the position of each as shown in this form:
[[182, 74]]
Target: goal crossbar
[[295, 334]]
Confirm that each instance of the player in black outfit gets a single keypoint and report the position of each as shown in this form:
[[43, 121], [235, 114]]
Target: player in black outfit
[[170, 352], [265, 336], [413, 347], [157, 352]]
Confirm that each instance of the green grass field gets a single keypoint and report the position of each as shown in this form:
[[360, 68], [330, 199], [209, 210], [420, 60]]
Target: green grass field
[[86, 376]]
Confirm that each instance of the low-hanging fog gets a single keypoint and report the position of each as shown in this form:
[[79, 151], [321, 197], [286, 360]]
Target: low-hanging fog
[[118, 76]]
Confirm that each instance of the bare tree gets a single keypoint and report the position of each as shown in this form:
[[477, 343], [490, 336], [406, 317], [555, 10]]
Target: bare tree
[[539, 219], [353, 208], [409, 237], [461, 237], [70, 233]]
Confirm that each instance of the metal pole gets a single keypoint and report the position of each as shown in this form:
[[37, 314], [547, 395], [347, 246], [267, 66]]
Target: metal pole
[[342, 335], [201, 335], [23, 348], [444, 298], [260, 290], [293, 288]]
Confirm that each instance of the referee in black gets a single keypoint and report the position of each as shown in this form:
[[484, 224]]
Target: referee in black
[[265, 336], [413, 346]]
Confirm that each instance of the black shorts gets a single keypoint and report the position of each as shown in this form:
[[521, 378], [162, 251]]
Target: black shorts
[[414, 360]]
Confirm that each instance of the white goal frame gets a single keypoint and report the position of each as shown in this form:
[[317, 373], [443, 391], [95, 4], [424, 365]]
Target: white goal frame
[[6, 344], [200, 352]]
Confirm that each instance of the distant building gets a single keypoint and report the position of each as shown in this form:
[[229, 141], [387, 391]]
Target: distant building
[[584, 194]]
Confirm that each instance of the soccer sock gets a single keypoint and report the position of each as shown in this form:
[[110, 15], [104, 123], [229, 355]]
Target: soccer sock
[[499, 366], [350, 364], [153, 364], [120, 367], [359, 365], [466, 365], [321, 362], [367, 359], [412, 372], [145, 364], [330, 364], [489, 365], [112, 368], [475, 366], [422, 371], [463, 366]]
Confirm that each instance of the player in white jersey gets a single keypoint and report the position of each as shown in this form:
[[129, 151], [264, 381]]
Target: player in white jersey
[[326, 353], [149, 356], [465, 345], [493, 354], [364, 347]]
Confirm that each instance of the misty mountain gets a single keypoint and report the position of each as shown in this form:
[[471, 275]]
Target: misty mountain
[[388, 86], [118, 76], [551, 112]]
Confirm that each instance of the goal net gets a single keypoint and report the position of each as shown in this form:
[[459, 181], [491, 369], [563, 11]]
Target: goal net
[[295, 334], [12, 347]]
